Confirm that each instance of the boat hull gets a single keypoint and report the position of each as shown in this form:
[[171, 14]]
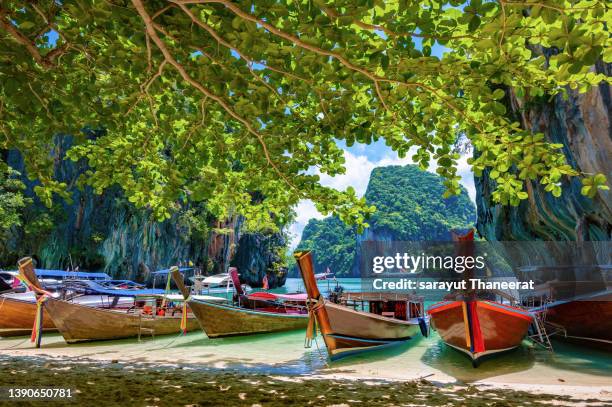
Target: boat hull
[[17, 317], [352, 331], [586, 322], [78, 323], [219, 320], [480, 328]]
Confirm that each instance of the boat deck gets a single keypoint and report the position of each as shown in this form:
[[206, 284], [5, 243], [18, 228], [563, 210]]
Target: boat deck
[[382, 296]]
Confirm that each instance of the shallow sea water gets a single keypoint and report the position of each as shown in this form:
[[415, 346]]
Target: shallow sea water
[[284, 354]]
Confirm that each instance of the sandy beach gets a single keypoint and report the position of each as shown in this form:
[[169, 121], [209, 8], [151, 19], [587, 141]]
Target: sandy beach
[[527, 370]]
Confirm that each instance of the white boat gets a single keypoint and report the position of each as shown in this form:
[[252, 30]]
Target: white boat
[[217, 283]]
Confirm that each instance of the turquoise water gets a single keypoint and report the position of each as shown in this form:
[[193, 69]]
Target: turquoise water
[[284, 354], [435, 353], [293, 285]]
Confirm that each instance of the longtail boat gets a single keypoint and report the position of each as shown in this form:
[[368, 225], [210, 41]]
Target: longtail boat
[[253, 314], [586, 321], [18, 310], [17, 317], [576, 311], [478, 328], [77, 322], [348, 331]]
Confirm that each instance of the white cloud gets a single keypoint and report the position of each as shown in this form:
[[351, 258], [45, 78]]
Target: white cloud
[[304, 212], [357, 175]]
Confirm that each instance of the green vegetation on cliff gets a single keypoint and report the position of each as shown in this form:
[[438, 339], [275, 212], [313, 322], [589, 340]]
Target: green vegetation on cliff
[[332, 243], [409, 206]]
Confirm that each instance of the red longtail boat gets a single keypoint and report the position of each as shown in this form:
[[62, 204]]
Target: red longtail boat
[[576, 311], [478, 328]]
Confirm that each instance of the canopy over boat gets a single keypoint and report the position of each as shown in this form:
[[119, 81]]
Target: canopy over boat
[[180, 298], [222, 278], [62, 274], [117, 288], [165, 272], [265, 296]]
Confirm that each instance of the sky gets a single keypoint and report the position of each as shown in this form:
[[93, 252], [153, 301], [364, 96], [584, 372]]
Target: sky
[[361, 159]]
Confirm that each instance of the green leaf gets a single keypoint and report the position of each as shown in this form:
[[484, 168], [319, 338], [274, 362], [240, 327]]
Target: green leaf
[[498, 94], [474, 23], [498, 108]]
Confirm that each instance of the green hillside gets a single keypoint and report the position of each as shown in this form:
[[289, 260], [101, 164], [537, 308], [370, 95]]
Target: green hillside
[[409, 206]]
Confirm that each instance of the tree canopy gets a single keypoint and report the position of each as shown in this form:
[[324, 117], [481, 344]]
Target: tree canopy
[[214, 99]]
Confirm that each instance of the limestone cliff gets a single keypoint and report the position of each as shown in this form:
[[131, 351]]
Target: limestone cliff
[[409, 207], [582, 124], [105, 232]]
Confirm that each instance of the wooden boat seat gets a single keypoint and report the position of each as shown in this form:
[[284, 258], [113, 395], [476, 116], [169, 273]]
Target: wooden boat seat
[[388, 314]]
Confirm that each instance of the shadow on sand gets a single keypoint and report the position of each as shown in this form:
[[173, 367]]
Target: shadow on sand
[[452, 362]]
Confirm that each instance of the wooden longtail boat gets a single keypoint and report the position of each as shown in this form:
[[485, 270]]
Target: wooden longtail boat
[[584, 321], [574, 302], [17, 317], [79, 323], [478, 328], [18, 309], [221, 320], [347, 331]]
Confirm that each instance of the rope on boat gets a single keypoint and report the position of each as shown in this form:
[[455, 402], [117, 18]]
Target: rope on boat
[[172, 341], [42, 296], [321, 354], [38, 321], [184, 319], [311, 330]]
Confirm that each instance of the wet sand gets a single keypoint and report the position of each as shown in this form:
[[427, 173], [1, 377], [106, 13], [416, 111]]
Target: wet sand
[[424, 366]]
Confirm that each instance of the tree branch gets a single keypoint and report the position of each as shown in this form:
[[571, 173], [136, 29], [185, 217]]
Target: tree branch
[[181, 70], [222, 41], [238, 11], [47, 61], [22, 39], [297, 41]]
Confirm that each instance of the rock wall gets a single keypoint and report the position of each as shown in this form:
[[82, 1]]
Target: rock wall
[[582, 124], [258, 256], [409, 207], [105, 232]]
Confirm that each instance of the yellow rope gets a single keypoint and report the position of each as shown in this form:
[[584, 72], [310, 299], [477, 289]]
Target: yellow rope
[[184, 318]]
